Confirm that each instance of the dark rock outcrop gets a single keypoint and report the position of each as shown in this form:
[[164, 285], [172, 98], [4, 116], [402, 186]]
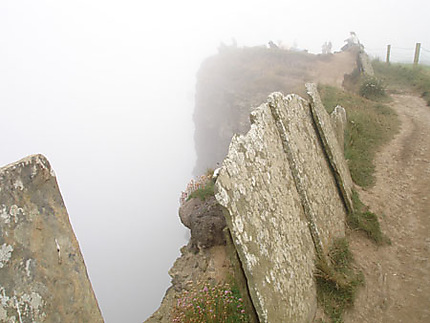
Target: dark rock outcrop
[[42, 273], [206, 221]]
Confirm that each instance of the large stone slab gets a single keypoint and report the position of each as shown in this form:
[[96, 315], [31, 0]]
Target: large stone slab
[[283, 205], [310, 168], [269, 228], [43, 277], [331, 146]]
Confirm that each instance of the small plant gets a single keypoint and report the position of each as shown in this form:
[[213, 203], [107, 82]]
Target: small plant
[[210, 304], [202, 188], [203, 193], [372, 89], [337, 281], [366, 221]]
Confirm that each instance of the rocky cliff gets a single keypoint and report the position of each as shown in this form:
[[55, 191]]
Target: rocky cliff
[[284, 187], [43, 277], [231, 84], [284, 190]]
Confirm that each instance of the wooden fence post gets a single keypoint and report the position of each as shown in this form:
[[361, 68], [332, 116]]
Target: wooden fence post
[[388, 53], [417, 53]]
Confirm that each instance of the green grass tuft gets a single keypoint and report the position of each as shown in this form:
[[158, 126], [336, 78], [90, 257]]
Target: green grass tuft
[[337, 282], [205, 192], [364, 220]]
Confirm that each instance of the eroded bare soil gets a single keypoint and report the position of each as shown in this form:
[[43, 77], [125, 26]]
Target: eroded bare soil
[[398, 276]]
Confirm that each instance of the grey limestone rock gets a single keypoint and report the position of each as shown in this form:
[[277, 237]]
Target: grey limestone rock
[[331, 146], [283, 205], [43, 277], [267, 223], [338, 121]]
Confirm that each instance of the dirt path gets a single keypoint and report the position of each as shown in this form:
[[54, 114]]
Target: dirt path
[[398, 276]]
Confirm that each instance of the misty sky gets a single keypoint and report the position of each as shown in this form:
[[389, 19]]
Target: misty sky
[[105, 90]]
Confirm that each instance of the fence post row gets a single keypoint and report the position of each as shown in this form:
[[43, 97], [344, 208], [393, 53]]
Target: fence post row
[[416, 55]]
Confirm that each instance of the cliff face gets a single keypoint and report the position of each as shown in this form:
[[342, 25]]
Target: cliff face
[[231, 84], [42, 273], [284, 187]]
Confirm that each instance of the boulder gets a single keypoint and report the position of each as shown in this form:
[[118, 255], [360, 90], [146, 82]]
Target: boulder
[[206, 221]]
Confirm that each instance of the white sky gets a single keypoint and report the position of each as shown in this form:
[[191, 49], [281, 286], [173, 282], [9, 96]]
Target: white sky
[[105, 90]]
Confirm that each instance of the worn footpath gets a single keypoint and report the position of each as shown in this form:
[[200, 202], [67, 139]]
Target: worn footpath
[[398, 275]]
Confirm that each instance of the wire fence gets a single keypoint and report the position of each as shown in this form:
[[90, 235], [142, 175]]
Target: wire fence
[[401, 54]]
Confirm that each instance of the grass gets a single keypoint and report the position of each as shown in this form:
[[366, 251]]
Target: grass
[[364, 220], [370, 125], [404, 77], [206, 303], [337, 282], [207, 191]]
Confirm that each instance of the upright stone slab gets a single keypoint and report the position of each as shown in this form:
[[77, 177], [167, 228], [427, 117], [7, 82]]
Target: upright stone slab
[[338, 122], [268, 226], [311, 171], [331, 146], [365, 63], [42, 273]]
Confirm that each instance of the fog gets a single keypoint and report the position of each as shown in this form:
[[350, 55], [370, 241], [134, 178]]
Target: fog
[[105, 90]]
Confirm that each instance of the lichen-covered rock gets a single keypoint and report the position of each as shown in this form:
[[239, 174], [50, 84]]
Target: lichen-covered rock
[[331, 146], [338, 121], [314, 180], [268, 226], [42, 273], [283, 205]]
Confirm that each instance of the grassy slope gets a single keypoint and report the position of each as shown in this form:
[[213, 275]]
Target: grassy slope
[[405, 77]]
